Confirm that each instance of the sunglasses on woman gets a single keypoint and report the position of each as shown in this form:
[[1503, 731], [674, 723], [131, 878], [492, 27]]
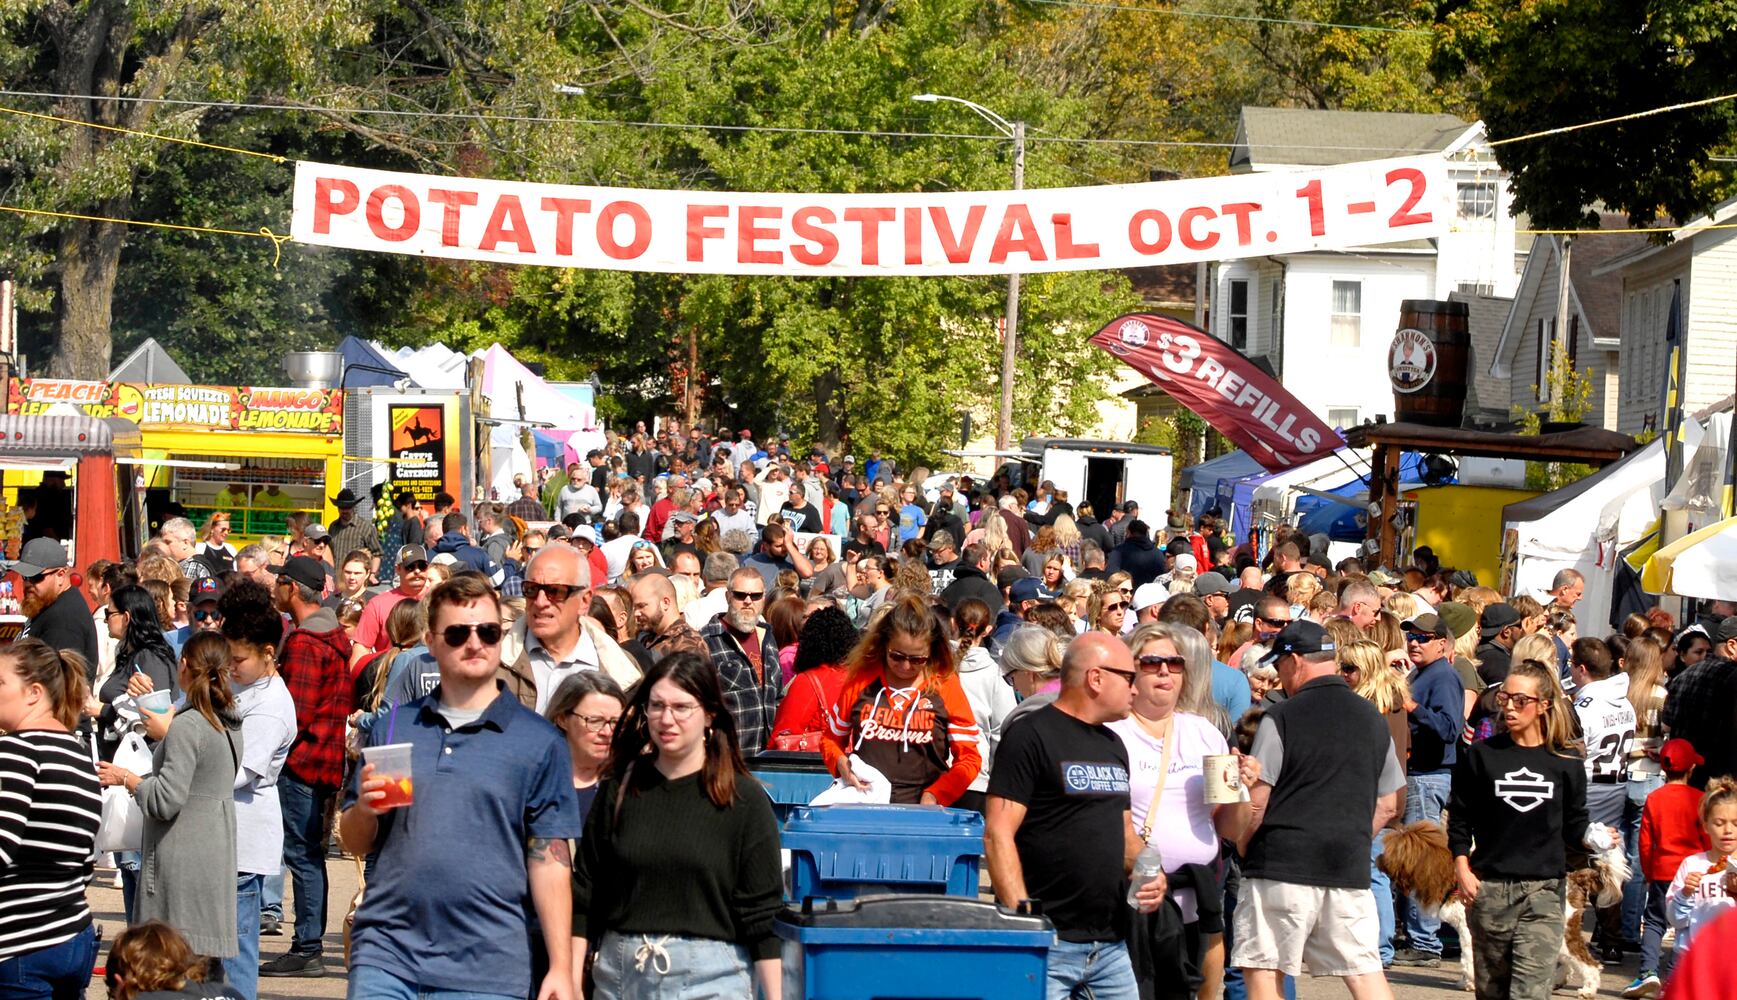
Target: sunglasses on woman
[[1152, 663]]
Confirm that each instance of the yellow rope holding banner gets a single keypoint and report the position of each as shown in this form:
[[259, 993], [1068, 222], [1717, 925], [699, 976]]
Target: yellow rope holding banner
[[1612, 121], [149, 135], [264, 232]]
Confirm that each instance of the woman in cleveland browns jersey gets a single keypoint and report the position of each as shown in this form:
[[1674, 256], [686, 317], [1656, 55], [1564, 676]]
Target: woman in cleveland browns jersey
[[903, 712]]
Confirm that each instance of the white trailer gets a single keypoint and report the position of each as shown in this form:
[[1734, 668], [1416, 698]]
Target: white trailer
[[1102, 473]]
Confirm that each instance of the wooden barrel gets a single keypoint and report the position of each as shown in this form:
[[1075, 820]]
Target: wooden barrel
[[1428, 362]]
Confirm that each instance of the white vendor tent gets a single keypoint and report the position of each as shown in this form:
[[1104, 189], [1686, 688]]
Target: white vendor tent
[[1584, 526]]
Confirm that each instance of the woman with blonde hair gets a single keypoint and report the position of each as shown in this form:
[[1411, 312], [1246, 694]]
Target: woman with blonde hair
[[1067, 538], [1076, 596], [1107, 611], [1041, 548], [995, 535], [1301, 588], [1363, 664], [1401, 605]]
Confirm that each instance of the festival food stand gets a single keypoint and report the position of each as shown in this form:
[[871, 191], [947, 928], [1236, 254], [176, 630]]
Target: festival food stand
[[71, 477], [259, 453]]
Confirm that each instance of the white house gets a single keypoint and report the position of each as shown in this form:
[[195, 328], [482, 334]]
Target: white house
[[1324, 320], [1702, 264], [1521, 358]]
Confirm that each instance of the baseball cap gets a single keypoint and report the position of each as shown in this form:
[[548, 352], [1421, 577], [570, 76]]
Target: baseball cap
[[1148, 594], [1383, 577], [1678, 755], [1499, 616], [1026, 588], [585, 533], [315, 531], [206, 588], [1009, 574], [747, 433], [1211, 582], [684, 517], [1727, 630], [411, 553], [305, 570], [1300, 636], [1459, 618], [41, 555], [1431, 624]]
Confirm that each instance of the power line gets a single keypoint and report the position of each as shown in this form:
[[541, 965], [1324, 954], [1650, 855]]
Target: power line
[[1218, 16]]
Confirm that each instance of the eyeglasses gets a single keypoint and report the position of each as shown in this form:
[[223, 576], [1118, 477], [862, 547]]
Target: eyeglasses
[[1519, 701], [419, 566], [34, 580], [487, 633], [1275, 622], [113, 613], [1127, 675], [206, 616], [882, 511], [894, 656], [557, 593], [1153, 663], [1125, 590], [747, 596], [597, 723], [1114, 607], [681, 711], [1419, 637]]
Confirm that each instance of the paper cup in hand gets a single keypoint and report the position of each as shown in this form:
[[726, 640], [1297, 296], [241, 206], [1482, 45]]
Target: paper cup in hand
[[1223, 778], [155, 702], [392, 762]]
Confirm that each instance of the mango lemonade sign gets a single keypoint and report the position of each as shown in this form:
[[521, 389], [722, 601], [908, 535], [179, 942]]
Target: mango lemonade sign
[[187, 407]]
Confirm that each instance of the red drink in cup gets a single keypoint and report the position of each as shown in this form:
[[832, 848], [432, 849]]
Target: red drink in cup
[[392, 762]]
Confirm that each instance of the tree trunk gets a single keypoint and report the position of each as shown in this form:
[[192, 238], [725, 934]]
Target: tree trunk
[[829, 409], [90, 259]]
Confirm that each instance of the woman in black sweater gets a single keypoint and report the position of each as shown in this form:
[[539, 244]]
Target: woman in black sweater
[[1518, 806], [678, 875]]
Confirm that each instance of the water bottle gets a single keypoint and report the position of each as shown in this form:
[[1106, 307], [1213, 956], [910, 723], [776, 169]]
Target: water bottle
[[1148, 865]]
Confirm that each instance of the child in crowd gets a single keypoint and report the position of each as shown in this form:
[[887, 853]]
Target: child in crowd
[[1670, 832], [1700, 891]]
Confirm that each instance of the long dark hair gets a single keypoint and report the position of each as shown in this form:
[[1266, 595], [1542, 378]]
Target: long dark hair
[[144, 631], [826, 640], [695, 674]]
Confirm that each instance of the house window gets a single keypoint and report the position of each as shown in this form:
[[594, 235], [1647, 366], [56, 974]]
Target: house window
[[1573, 341], [1477, 199], [1546, 332], [1343, 418], [1238, 314], [1275, 318], [1347, 314]]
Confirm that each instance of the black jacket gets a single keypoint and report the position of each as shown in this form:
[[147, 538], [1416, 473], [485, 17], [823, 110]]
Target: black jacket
[[969, 581], [1139, 558], [1092, 531]]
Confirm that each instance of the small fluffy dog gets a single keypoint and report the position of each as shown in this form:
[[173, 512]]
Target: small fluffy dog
[[1418, 861]]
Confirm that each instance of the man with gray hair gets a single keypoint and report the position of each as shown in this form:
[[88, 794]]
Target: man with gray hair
[[1566, 589], [714, 574], [178, 535], [315, 664], [1329, 780], [253, 562], [1359, 603]]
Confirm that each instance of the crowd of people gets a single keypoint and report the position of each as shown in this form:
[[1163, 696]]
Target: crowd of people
[[572, 687]]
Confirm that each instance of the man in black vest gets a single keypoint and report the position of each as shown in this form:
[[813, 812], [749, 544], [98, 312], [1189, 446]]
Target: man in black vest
[[1329, 780]]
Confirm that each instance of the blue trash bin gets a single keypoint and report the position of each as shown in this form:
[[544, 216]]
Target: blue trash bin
[[912, 948], [841, 852], [791, 779]]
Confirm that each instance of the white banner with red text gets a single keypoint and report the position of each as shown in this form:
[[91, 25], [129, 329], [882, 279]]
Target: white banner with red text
[[940, 233]]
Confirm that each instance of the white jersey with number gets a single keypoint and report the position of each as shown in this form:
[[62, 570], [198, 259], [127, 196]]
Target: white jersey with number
[[1607, 724]]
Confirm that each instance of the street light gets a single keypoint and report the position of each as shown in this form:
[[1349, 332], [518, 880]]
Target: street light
[[1009, 343]]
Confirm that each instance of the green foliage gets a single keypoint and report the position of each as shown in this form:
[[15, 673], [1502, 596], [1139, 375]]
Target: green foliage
[[1550, 63], [1570, 399]]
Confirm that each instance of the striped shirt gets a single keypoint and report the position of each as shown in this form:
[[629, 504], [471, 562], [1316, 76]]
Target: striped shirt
[[50, 807]]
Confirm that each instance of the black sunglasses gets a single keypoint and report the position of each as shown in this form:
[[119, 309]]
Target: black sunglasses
[[1154, 663], [419, 566], [556, 592], [205, 616], [748, 596], [1280, 622], [488, 633], [1127, 675]]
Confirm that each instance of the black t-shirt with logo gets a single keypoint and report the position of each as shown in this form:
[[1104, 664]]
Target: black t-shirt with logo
[[1523, 807], [1072, 778]]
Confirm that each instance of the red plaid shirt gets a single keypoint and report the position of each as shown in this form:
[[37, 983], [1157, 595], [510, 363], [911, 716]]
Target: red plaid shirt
[[316, 668]]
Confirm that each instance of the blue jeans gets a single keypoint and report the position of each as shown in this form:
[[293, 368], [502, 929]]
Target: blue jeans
[[242, 971], [127, 863], [673, 968], [369, 983], [1091, 970], [1634, 894], [1425, 797], [1653, 933], [304, 855], [1382, 887], [271, 895], [58, 972]]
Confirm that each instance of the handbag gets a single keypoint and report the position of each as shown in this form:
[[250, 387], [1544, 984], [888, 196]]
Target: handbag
[[123, 822], [806, 742]]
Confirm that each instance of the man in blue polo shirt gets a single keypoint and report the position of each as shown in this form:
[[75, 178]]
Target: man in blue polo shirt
[[482, 846]]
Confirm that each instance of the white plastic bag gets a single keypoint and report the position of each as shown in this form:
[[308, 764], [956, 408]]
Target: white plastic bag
[[123, 825], [880, 790]]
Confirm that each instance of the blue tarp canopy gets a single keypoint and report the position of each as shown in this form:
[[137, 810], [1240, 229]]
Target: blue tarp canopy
[[358, 352], [1200, 482], [550, 448], [1342, 523]]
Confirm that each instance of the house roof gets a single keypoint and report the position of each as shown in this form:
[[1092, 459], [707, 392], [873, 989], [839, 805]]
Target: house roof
[[1306, 137], [149, 362], [1600, 295], [1722, 213], [1488, 315]]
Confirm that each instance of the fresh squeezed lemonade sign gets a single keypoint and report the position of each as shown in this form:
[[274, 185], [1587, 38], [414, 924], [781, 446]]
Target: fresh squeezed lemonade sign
[[954, 232], [188, 407]]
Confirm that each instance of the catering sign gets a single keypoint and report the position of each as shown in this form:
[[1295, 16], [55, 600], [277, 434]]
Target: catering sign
[[187, 407]]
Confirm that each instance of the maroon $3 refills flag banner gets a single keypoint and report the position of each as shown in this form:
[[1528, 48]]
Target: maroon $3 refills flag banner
[[1222, 386]]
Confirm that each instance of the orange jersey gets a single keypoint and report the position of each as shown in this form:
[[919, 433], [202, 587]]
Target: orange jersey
[[923, 739]]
